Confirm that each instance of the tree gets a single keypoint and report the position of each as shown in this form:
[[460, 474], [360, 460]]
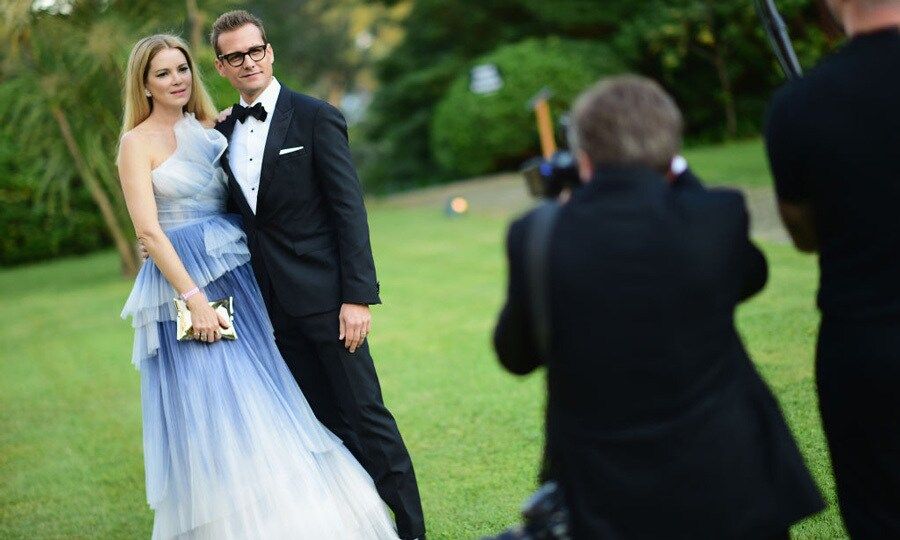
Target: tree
[[712, 55], [60, 87], [709, 51], [480, 133], [441, 36], [322, 45]]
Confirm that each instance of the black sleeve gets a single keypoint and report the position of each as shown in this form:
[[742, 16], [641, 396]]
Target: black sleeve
[[783, 145], [337, 175], [751, 264], [687, 180], [513, 337]]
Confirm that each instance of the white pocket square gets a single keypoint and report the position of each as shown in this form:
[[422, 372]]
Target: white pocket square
[[284, 151]]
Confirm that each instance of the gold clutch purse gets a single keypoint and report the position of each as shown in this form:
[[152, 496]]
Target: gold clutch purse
[[185, 330]]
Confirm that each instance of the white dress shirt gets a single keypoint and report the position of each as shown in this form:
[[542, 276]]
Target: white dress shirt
[[248, 141]]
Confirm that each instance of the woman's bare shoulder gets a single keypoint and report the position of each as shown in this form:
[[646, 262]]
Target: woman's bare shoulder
[[133, 143]]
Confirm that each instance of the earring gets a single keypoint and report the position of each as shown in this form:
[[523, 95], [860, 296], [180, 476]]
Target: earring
[[147, 93]]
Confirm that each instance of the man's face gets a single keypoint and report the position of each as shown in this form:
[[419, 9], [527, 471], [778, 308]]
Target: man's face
[[251, 77]]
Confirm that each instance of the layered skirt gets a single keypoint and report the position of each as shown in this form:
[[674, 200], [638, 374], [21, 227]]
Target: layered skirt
[[231, 446]]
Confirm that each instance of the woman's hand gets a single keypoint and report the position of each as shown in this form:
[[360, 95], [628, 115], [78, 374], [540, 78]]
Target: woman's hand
[[223, 115], [206, 323]]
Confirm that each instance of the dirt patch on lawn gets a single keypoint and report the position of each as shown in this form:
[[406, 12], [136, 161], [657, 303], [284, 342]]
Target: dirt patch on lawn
[[504, 195]]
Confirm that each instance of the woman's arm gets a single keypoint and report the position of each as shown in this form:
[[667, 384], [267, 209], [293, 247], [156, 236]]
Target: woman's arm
[[134, 174]]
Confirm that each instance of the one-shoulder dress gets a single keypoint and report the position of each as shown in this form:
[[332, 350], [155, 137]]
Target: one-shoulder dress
[[231, 446]]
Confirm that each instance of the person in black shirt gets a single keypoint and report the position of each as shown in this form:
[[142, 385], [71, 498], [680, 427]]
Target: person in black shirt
[[658, 425], [833, 140]]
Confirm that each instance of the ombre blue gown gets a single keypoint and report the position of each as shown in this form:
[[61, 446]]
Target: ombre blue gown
[[231, 446]]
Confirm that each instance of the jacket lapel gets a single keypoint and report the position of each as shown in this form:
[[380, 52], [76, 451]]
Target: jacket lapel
[[281, 120], [226, 128]]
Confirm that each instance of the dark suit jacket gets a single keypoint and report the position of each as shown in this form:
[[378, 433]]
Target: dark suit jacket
[[309, 239], [658, 425]]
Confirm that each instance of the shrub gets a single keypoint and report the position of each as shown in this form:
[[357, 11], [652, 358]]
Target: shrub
[[40, 227], [473, 134]]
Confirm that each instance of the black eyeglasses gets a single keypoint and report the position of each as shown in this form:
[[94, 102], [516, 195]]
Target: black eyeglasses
[[236, 59]]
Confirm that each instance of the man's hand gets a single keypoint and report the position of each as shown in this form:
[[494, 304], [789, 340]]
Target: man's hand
[[799, 220], [355, 322]]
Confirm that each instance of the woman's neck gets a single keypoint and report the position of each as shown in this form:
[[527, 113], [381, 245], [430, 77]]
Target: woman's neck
[[166, 116]]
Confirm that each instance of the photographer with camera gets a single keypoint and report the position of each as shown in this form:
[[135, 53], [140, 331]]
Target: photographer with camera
[[658, 425], [833, 140]]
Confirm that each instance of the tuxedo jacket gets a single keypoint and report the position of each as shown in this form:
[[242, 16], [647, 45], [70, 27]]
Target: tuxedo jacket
[[658, 426], [309, 238]]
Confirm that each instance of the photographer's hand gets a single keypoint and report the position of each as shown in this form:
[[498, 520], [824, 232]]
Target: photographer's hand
[[800, 223]]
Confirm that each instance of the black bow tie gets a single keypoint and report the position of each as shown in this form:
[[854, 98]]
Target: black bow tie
[[241, 113]]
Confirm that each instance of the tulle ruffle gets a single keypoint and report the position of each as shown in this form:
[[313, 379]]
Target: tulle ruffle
[[223, 248], [190, 183], [232, 448]]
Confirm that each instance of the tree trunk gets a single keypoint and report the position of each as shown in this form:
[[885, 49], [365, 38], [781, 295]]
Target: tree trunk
[[727, 92], [127, 252], [195, 21], [719, 55]]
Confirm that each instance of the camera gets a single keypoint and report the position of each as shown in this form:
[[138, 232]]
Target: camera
[[544, 517], [547, 178]]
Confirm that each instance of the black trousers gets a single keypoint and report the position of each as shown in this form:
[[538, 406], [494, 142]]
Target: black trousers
[[344, 393], [858, 377]]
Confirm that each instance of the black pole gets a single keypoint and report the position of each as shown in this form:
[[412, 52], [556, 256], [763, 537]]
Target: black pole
[[779, 38]]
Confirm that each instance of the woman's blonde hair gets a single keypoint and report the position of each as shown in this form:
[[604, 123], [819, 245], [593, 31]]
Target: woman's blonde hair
[[137, 105]]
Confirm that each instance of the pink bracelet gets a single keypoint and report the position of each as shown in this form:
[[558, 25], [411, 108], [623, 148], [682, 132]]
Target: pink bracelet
[[190, 293]]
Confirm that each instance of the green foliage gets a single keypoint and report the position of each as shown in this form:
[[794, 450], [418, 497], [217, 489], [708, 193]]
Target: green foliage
[[33, 232], [441, 37], [474, 134], [714, 58], [582, 18], [313, 41], [711, 55], [62, 70]]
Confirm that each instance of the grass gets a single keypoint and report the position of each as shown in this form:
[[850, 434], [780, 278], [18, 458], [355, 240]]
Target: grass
[[739, 163], [70, 426]]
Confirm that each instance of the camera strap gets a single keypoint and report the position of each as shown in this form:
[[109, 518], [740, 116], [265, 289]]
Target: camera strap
[[537, 263]]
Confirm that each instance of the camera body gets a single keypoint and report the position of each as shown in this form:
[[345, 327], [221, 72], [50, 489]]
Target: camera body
[[547, 178]]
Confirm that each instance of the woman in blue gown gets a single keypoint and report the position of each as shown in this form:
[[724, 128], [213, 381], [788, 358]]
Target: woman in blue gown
[[231, 447]]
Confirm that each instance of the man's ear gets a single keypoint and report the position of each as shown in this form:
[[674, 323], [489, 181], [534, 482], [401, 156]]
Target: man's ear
[[271, 51], [585, 166], [220, 67]]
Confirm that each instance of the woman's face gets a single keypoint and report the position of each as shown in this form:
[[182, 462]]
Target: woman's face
[[169, 79]]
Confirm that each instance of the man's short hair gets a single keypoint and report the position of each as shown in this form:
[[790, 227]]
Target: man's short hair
[[233, 20], [627, 120]]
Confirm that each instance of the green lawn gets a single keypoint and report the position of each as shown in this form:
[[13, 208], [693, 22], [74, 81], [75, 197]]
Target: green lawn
[[740, 163], [70, 434]]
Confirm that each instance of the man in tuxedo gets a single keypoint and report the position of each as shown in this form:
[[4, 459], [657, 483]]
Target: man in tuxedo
[[833, 140], [658, 425], [292, 179]]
